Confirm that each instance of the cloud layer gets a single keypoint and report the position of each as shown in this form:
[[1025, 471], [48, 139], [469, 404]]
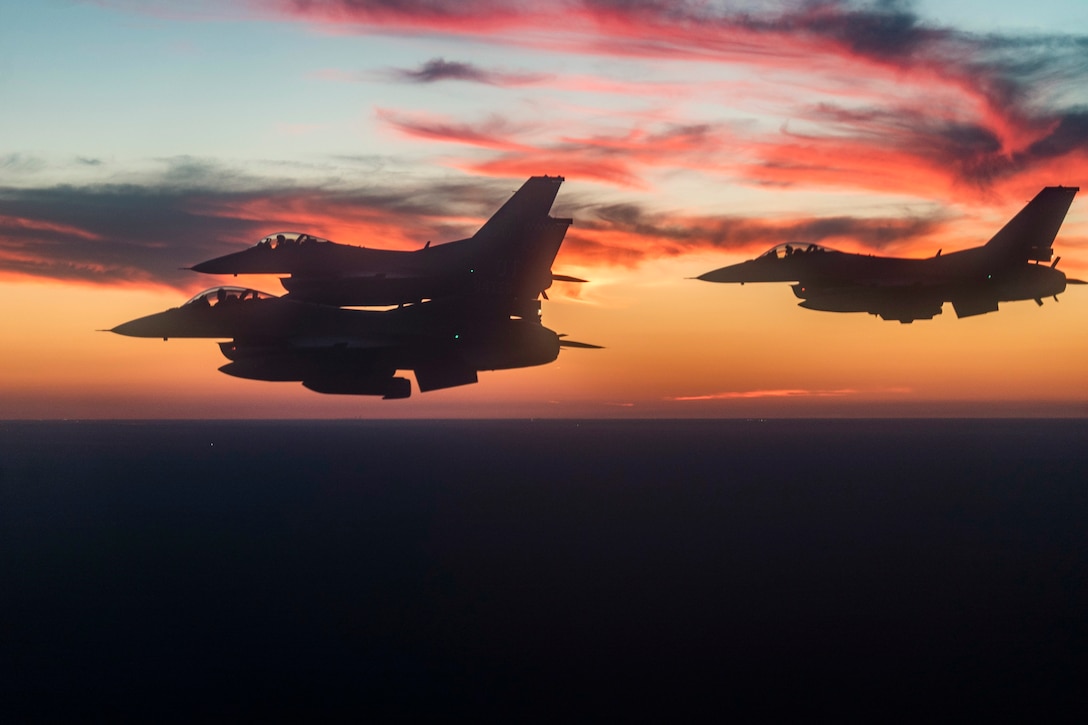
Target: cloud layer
[[935, 108], [147, 233], [854, 97]]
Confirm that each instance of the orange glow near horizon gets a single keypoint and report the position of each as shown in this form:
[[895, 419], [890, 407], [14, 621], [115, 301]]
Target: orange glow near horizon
[[673, 347]]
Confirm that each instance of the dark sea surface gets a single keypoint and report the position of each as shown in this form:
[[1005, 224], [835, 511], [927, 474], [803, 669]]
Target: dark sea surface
[[514, 570]]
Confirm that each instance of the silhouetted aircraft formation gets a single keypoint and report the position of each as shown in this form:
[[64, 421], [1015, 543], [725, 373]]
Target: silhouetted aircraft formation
[[462, 307], [1005, 269], [474, 304]]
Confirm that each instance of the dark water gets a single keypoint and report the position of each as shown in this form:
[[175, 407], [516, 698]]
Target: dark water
[[334, 570]]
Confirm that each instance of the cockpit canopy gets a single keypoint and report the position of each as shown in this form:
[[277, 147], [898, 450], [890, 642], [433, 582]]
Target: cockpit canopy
[[227, 295], [790, 249], [289, 239]]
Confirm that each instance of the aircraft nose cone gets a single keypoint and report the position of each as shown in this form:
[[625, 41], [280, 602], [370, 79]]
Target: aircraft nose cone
[[244, 262], [227, 264], [255, 260], [132, 328], [725, 274], [156, 325]]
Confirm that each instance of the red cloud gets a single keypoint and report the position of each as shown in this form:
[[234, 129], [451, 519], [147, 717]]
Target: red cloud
[[895, 151], [492, 133], [15, 226], [613, 159], [956, 110]]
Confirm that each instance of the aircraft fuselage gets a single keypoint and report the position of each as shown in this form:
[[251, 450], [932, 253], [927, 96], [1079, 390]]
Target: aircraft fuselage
[[509, 259], [1007, 268]]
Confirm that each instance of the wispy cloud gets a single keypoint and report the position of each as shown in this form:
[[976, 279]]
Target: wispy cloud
[[523, 149], [494, 132], [439, 69], [628, 233], [939, 107], [436, 70], [895, 147], [18, 163], [786, 393]]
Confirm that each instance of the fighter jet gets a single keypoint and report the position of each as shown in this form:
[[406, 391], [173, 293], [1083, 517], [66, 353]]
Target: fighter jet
[[975, 280], [508, 259], [356, 352]]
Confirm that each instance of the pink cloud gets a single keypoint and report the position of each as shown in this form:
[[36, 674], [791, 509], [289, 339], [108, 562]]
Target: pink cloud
[[16, 226], [949, 111], [784, 393], [492, 133]]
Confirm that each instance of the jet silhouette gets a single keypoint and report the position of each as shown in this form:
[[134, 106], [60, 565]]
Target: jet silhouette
[[356, 352], [1006, 268], [508, 259]]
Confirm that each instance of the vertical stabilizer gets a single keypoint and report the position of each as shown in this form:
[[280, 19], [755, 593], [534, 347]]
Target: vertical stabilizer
[[515, 248], [528, 206], [1029, 236]]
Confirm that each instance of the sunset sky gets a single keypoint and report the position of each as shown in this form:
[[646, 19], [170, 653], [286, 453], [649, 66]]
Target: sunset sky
[[140, 137]]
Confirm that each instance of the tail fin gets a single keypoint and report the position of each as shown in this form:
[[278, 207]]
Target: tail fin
[[1029, 236], [515, 248], [528, 205]]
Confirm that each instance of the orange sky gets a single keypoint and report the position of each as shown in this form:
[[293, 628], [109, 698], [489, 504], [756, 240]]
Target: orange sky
[[673, 347]]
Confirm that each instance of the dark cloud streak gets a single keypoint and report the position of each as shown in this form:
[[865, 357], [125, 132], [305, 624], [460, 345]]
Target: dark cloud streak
[[670, 235], [439, 69], [113, 234], [106, 233], [971, 151]]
